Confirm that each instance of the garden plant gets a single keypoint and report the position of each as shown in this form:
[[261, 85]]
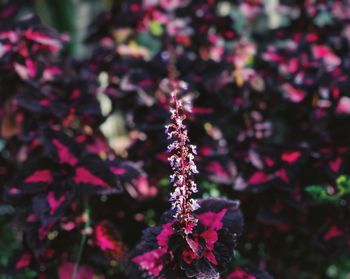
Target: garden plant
[[178, 139]]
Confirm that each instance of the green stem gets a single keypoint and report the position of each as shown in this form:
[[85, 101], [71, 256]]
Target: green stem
[[83, 239]]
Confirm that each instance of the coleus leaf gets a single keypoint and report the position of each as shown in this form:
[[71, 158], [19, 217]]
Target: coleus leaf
[[164, 253], [37, 236], [61, 148], [248, 273], [219, 169], [67, 269], [26, 38], [132, 178], [94, 175], [35, 176], [10, 9], [20, 260], [125, 171], [87, 172], [107, 238], [32, 101], [51, 206]]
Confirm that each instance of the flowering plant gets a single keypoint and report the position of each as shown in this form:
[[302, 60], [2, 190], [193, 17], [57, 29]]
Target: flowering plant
[[196, 238], [84, 161]]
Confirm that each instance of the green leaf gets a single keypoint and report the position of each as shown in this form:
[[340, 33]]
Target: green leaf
[[146, 40], [210, 189], [322, 193], [156, 28], [164, 182]]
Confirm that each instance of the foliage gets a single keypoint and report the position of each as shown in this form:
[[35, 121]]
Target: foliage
[[324, 194], [83, 155]]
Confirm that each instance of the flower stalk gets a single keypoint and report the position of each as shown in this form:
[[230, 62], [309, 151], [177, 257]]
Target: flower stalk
[[181, 161]]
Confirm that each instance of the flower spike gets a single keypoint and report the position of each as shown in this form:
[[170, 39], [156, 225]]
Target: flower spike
[[181, 161]]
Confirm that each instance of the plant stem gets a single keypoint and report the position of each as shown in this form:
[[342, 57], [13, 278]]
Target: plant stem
[[83, 239]]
